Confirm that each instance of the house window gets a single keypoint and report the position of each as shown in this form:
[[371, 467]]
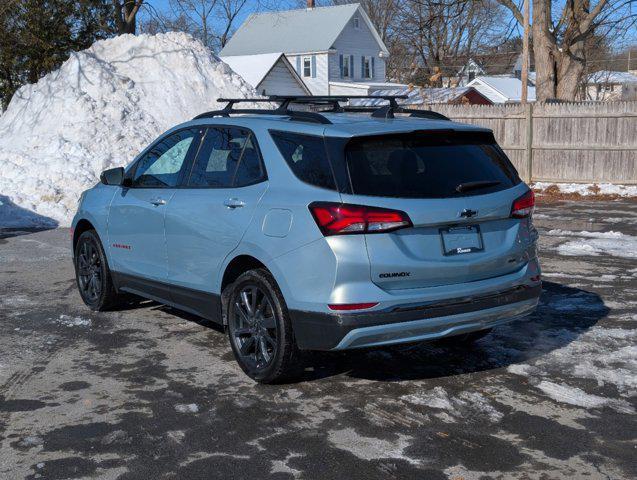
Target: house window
[[357, 23], [347, 68], [367, 67], [307, 66]]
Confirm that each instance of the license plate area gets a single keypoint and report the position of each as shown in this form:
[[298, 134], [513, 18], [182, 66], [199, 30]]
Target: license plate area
[[461, 240]]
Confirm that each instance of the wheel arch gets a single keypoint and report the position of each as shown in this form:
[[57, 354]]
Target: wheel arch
[[82, 226]]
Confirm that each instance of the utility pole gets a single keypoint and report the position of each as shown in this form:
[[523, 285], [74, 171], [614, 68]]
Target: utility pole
[[525, 54]]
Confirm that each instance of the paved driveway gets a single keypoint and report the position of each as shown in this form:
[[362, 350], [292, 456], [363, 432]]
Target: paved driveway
[[154, 393]]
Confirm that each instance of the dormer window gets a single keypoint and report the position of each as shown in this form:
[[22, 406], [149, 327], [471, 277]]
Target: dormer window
[[357, 23], [307, 66]]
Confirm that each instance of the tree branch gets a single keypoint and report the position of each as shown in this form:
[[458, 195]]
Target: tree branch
[[513, 8]]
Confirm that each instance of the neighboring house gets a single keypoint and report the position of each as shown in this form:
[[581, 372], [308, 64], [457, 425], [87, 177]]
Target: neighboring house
[[429, 96], [488, 64], [468, 72], [607, 85], [502, 88], [325, 45], [268, 73]]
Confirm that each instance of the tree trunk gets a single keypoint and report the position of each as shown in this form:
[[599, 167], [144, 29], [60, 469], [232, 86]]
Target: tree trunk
[[570, 70], [543, 48]]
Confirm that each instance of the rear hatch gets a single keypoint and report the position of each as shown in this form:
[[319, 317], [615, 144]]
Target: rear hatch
[[457, 187]]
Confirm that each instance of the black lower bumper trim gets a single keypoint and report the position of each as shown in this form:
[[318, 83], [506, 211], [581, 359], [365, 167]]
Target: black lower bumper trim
[[324, 331]]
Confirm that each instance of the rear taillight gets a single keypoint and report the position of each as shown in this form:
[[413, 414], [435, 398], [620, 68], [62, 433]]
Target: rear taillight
[[523, 206], [343, 218]]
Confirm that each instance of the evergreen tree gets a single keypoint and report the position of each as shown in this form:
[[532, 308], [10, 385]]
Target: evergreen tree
[[36, 36]]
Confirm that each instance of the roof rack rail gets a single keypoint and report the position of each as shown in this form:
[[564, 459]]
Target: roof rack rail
[[334, 101], [280, 110]]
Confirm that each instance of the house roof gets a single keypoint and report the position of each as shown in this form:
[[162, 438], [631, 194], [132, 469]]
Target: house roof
[[295, 31], [501, 89], [416, 96], [608, 76], [254, 68]]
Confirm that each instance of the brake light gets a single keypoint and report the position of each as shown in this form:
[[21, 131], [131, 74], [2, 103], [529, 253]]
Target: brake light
[[352, 306], [523, 206], [344, 218]]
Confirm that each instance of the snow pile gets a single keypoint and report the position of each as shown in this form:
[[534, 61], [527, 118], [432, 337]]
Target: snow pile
[[588, 189], [97, 111], [597, 243]]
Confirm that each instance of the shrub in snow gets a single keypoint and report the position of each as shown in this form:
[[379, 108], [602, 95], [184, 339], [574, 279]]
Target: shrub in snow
[[97, 111]]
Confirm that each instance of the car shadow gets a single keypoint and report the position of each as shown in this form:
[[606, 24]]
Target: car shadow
[[562, 315]]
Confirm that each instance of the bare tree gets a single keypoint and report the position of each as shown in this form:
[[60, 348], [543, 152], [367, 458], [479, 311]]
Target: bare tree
[[211, 21], [439, 32], [560, 38], [126, 15], [198, 15]]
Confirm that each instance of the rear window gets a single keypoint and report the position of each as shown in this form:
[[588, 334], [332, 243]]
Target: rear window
[[306, 156], [428, 165]]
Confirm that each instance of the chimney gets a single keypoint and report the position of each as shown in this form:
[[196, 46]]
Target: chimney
[[310, 4]]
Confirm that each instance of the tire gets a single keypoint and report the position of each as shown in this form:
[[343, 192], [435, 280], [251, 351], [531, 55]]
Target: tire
[[466, 338], [92, 275], [260, 330]]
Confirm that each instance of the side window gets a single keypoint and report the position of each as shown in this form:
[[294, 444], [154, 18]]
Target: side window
[[227, 158], [306, 156], [162, 165]]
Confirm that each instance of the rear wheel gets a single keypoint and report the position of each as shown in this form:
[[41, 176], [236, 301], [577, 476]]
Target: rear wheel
[[92, 274], [260, 330]]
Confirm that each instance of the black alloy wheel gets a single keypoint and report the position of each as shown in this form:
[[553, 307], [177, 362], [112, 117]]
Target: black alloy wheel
[[89, 271], [260, 329], [92, 274]]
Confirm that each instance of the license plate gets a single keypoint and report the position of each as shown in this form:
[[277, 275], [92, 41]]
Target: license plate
[[460, 240]]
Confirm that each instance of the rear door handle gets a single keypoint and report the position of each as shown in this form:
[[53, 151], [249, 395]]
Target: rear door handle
[[157, 201], [233, 203]]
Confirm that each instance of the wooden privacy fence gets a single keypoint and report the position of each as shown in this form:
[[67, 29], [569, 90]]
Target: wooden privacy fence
[[570, 142]]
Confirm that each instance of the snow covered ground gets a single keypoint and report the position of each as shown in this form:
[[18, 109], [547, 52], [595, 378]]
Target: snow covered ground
[[98, 111]]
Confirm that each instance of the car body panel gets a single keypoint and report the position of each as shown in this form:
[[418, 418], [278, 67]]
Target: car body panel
[[201, 231]]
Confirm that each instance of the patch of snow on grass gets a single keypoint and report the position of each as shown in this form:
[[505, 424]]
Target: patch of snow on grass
[[589, 189], [97, 111], [579, 398]]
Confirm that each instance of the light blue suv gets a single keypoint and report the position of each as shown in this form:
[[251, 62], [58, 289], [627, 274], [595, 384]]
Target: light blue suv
[[319, 227]]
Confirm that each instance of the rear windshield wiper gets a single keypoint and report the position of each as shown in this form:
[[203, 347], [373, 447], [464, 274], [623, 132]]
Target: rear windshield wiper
[[465, 187]]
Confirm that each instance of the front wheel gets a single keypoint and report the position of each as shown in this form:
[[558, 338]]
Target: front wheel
[[260, 330], [92, 274]]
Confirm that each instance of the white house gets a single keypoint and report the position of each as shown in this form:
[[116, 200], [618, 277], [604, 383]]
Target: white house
[[268, 73], [502, 88], [325, 45], [608, 85]]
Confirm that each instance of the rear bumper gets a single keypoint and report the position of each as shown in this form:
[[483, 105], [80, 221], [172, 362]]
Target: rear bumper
[[425, 321]]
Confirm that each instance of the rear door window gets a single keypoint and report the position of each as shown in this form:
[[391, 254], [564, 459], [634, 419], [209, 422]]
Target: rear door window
[[306, 157], [228, 158], [428, 165]]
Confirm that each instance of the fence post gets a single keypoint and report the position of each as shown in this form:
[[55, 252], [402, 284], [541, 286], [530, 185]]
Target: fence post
[[529, 142]]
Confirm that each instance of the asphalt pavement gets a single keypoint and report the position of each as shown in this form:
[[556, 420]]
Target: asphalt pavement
[[149, 392]]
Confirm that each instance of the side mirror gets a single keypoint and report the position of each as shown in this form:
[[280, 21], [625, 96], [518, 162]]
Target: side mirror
[[114, 176]]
